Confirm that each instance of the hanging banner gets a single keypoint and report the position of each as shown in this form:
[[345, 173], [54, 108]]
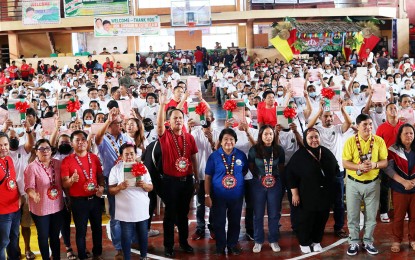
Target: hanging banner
[[394, 37], [74, 8], [126, 26], [40, 12]]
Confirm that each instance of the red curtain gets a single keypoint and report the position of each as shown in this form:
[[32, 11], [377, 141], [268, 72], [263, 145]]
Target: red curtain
[[368, 43], [292, 39]]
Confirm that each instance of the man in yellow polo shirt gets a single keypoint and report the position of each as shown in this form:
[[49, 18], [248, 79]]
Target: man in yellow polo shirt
[[363, 155]]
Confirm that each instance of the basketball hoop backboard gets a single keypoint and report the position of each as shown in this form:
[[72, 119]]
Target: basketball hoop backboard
[[195, 12]]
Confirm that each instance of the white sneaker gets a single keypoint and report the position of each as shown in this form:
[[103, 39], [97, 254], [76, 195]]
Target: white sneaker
[[316, 247], [275, 247], [305, 249], [257, 248], [406, 217], [153, 233], [384, 218]]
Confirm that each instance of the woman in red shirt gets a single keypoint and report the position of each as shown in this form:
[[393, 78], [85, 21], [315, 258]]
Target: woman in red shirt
[[9, 204], [267, 110]]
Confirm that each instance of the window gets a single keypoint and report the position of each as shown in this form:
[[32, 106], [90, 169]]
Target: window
[[167, 3], [158, 42]]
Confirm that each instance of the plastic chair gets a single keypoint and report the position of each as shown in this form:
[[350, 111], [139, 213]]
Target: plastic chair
[[61, 54], [53, 55], [69, 54]]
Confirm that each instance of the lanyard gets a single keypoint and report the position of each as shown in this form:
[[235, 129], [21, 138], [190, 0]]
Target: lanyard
[[268, 168], [114, 145], [317, 159], [83, 169], [359, 147], [5, 170], [176, 143], [229, 170], [51, 177]]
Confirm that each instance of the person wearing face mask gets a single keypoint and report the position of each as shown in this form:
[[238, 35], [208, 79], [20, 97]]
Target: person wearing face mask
[[20, 154], [378, 114], [206, 138], [354, 92], [279, 97], [88, 118], [311, 175], [151, 109]]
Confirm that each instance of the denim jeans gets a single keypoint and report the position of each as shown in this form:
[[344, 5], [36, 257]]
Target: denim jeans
[[271, 197], [201, 210], [48, 228], [338, 208], [9, 235], [84, 209], [222, 209], [127, 231], [114, 224], [199, 69]]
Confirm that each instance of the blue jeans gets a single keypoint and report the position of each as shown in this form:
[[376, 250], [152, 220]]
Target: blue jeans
[[222, 209], [272, 198], [127, 231], [338, 208], [199, 69], [9, 235], [114, 224], [84, 209], [48, 228]]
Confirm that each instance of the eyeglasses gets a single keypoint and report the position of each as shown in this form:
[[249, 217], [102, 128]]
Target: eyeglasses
[[44, 149]]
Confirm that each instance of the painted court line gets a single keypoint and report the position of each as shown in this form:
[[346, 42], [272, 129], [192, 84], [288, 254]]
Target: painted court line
[[327, 248], [150, 255]]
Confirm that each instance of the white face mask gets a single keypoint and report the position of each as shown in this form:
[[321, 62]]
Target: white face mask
[[398, 80], [248, 120]]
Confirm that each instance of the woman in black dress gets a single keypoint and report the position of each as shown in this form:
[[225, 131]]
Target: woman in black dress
[[310, 174]]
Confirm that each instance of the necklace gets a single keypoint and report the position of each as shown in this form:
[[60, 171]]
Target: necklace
[[53, 192], [89, 185], [229, 181], [10, 182], [113, 144], [182, 163], [268, 180]]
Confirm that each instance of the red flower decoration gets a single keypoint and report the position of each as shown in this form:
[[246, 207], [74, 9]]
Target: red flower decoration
[[289, 113], [22, 106], [327, 93], [73, 106], [138, 170], [230, 105], [201, 109]]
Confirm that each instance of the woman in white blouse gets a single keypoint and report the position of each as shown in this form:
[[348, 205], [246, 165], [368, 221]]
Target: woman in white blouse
[[131, 201]]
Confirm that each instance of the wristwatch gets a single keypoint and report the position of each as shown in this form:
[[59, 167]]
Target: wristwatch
[[207, 195]]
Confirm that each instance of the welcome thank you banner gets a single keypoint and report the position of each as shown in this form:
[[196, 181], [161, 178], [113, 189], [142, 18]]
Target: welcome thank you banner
[[40, 12], [126, 26]]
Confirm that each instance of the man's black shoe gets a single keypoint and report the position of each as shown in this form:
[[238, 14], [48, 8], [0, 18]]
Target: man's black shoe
[[169, 252], [186, 248], [234, 250]]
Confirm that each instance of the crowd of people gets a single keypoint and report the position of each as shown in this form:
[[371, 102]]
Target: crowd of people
[[358, 152]]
